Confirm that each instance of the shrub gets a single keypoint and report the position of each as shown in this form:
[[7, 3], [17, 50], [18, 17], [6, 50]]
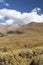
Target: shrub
[[37, 60], [4, 49], [10, 32], [1, 35], [34, 63], [27, 55], [19, 32]]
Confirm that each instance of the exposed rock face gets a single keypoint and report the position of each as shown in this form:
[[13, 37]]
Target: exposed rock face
[[3, 28], [6, 28], [13, 27]]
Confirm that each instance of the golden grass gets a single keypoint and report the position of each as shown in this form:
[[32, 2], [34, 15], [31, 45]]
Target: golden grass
[[29, 42]]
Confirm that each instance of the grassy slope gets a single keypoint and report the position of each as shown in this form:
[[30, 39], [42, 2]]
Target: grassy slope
[[29, 39], [28, 42]]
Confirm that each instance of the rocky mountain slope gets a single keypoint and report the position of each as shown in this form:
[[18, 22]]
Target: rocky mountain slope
[[6, 28]]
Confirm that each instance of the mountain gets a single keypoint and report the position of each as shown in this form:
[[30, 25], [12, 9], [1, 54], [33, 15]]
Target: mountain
[[33, 25], [15, 27]]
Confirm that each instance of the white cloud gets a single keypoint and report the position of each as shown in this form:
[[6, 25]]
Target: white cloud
[[1, 17], [36, 10], [6, 4], [21, 18], [9, 22]]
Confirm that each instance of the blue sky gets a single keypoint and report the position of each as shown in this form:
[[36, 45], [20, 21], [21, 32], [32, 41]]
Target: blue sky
[[24, 7]]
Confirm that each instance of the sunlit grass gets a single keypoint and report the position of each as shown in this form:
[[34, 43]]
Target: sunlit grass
[[29, 42]]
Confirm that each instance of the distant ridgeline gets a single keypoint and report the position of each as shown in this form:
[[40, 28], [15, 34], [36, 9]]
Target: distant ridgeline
[[19, 29]]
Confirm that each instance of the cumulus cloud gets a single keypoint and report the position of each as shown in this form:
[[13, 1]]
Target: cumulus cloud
[[7, 4], [9, 22], [36, 10], [16, 17], [1, 17]]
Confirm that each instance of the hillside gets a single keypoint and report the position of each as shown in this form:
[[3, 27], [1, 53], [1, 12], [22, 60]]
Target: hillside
[[23, 46], [33, 25]]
